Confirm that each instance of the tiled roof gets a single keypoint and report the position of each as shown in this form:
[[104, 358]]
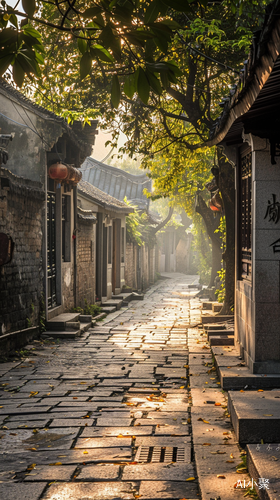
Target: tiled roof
[[82, 137], [117, 182], [102, 199]]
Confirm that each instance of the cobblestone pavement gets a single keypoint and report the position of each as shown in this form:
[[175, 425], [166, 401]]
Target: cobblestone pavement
[[107, 416]]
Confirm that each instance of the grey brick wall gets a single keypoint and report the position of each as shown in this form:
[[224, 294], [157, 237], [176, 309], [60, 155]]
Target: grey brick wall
[[21, 281]]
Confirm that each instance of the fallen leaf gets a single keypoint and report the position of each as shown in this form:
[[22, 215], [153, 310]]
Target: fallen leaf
[[220, 476], [186, 366], [217, 404], [31, 449], [229, 461], [268, 415], [206, 422], [241, 390], [182, 387], [260, 390], [231, 455], [56, 463], [85, 452], [206, 444], [191, 479]]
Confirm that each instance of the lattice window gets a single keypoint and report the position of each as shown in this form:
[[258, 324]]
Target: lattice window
[[246, 216]]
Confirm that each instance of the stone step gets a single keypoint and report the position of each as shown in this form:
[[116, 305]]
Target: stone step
[[263, 462], [221, 340], [84, 326], [59, 322], [255, 416], [117, 303], [208, 318], [67, 334], [213, 327], [216, 306], [234, 374], [109, 309], [214, 333], [207, 305]]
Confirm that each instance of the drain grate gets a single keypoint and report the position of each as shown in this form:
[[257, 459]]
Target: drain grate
[[160, 454]]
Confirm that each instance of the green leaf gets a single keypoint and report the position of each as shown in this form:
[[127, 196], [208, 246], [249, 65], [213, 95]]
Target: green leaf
[[164, 79], [110, 40], [102, 53], [13, 20], [5, 62], [28, 29], [18, 73], [152, 12], [29, 6], [82, 43], [115, 92], [92, 12], [172, 66], [179, 5], [173, 25], [130, 85], [154, 82], [143, 86], [85, 65]]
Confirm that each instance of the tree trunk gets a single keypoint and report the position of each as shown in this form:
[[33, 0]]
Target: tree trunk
[[211, 225], [225, 181]]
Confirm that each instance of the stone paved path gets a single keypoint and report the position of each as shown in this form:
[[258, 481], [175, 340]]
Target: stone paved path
[[107, 416]]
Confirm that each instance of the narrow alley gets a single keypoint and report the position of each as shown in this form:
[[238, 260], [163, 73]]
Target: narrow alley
[[107, 416]]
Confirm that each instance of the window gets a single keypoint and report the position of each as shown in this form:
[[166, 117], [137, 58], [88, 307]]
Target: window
[[66, 228], [246, 216]]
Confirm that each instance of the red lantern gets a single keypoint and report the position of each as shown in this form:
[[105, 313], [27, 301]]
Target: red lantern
[[58, 171], [213, 207]]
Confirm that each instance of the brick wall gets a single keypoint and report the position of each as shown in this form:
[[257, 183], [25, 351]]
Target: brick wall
[[85, 264], [21, 281]]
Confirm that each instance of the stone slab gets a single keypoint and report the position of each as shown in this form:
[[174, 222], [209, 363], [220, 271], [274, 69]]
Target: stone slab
[[158, 472], [221, 340], [92, 491], [104, 442], [99, 472], [116, 431], [78, 422], [238, 378], [168, 490], [263, 462], [255, 416], [51, 473], [14, 491]]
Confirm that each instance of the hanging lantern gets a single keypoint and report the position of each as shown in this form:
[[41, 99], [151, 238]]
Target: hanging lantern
[[213, 207], [74, 175], [58, 171]]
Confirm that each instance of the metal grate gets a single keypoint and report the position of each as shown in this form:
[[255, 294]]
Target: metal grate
[[160, 454]]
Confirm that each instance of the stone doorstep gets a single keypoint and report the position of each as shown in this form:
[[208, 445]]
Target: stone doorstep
[[213, 333], [58, 323], [221, 340], [234, 376], [215, 319], [117, 303], [255, 416], [263, 462], [109, 309], [67, 334]]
